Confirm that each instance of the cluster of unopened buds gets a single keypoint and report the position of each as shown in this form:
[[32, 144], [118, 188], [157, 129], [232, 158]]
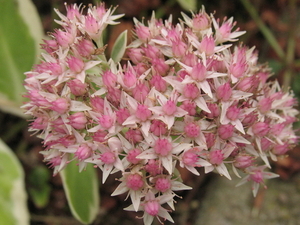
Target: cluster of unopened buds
[[185, 98]]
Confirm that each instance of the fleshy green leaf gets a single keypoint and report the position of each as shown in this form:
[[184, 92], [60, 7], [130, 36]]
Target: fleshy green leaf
[[20, 30], [188, 4], [13, 198], [119, 47], [82, 191]]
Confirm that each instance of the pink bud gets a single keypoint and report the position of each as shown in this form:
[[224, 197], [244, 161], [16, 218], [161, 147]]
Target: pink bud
[[77, 87], [281, 149], [178, 48], [83, 152], [198, 72], [153, 167], [152, 208], [191, 91], [97, 103], [108, 157], [61, 105], [163, 184], [106, 121], [122, 114], [224, 92], [249, 119], [134, 136], [169, 108], [40, 123], [216, 157], [160, 66], [266, 144], [245, 84], [78, 120], [233, 112], [129, 79], [276, 129], [162, 147], [76, 65], [140, 92], [260, 129], [158, 127], [238, 69], [264, 105], [142, 32], [64, 39], [201, 21], [190, 107], [214, 111], [190, 157], [152, 52], [192, 130], [143, 113], [91, 25], [225, 131], [134, 181], [100, 136], [109, 79], [207, 45], [190, 59], [135, 54], [243, 161], [256, 176], [132, 154], [210, 139], [159, 84], [85, 47]]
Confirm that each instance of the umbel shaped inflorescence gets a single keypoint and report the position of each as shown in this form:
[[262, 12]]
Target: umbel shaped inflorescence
[[186, 98]]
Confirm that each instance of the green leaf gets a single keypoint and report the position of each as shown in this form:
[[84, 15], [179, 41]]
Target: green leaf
[[20, 32], [39, 187], [82, 191], [13, 198], [188, 4], [119, 47]]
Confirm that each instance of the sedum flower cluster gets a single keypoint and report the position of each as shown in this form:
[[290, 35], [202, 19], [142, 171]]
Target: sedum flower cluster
[[186, 97]]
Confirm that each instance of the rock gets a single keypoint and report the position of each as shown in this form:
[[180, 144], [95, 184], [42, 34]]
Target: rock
[[225, 204]]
